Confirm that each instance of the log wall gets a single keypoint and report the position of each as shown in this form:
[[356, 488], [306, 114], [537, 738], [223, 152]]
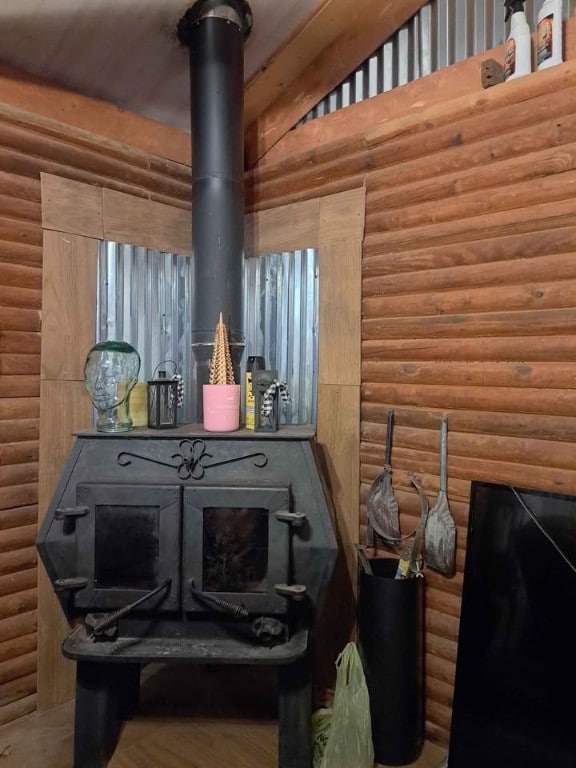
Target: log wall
[[468, 299], [29, 145]]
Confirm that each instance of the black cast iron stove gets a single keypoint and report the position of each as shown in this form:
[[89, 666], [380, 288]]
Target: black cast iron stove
[[188, 546]]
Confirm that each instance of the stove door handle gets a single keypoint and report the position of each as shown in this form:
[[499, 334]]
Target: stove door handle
[[67, 513]]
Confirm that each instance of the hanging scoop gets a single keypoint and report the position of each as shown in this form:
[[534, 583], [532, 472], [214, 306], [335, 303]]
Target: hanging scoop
[[440, 534], [381, 505]]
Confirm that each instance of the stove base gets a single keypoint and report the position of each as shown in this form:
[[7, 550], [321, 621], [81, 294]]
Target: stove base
[[107, 693]]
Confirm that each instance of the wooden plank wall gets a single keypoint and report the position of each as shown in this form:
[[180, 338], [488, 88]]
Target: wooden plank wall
[[469, 295], [29, 145]]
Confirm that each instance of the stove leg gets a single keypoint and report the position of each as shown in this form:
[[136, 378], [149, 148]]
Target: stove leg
[[130, 690], [100, 700], [294, 713]]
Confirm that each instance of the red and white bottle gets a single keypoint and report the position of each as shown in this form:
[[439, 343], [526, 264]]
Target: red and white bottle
[[549, 34], [518, 48]]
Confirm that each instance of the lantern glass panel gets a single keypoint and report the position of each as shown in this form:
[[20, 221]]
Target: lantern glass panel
[[162, 403]]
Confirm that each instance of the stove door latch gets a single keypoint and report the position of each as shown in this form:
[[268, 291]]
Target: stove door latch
[[72, 583], [294, 519], [291, 591], [69, 513]]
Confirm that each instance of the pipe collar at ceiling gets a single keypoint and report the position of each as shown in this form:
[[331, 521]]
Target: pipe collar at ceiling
[[236, 11]]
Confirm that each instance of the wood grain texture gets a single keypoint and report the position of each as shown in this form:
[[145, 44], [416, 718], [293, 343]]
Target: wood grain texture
[[69, 279], [340, 321], [143, 222], [44, 740], [415, 97], [15, 690], [289, 228], [60, 209], [46, 141], [34, 95], [349, 49], [467, 311], [64, 408]]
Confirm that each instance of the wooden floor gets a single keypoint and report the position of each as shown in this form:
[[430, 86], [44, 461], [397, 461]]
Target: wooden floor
[[216, 718]]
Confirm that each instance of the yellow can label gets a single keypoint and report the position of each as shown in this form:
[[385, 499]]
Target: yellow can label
[[249, 402]]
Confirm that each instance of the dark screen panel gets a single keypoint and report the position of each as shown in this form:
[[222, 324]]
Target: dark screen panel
[[126, 547], [516, 676], [235, 549]]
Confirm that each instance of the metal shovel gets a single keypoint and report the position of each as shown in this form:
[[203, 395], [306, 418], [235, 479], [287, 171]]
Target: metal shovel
[[440, 534], [381, 504]]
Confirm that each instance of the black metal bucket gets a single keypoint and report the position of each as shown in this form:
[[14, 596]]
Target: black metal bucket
[[391, 643]]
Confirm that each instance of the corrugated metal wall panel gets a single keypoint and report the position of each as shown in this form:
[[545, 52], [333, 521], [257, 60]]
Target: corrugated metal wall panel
[[144, 298], [281, 297], [442, 33]]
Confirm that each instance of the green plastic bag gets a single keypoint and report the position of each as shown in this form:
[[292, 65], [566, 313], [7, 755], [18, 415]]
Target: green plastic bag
[[348, 739], [321, 724]]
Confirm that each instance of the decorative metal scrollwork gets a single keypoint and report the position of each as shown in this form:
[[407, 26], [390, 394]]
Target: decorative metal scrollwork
[[193, 459]]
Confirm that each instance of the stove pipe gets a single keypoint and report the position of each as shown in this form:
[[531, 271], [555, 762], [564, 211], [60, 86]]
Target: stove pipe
[[214, 31]]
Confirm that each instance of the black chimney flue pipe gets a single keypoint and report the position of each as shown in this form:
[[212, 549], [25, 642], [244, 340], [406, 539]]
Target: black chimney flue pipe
[[214, 31]]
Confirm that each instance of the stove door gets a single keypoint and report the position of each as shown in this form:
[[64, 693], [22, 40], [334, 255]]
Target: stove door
[[128, 543], [236, 547]]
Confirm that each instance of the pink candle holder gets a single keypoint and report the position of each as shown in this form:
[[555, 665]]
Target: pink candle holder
[[221, 404]]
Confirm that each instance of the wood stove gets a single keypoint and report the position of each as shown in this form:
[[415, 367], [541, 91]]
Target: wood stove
[[188, 546]]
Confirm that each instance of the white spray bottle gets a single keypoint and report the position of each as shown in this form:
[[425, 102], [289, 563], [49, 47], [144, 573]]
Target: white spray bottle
[[549, 37], [518, 48]]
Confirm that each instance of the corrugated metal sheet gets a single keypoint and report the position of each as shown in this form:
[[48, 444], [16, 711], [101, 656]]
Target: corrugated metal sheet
[[442, 33], [144, 298], [281, 299]]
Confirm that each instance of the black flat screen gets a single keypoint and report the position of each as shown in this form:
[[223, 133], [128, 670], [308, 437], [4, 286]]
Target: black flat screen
[[516, 666]]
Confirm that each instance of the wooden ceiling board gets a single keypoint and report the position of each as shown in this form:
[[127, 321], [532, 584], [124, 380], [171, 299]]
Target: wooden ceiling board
[[334, 63], [318, 31], [126, 51]]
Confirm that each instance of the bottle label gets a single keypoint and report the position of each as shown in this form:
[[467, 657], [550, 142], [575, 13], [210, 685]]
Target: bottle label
[[544, 37], [510, 58], [249, 401]]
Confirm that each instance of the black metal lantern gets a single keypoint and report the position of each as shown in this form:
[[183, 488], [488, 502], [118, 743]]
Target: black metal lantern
[[162, 402]]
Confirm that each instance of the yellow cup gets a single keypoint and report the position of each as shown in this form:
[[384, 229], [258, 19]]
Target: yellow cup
[[139, 405]]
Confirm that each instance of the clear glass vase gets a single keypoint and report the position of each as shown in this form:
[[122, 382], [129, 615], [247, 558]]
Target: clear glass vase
[[110, 373]]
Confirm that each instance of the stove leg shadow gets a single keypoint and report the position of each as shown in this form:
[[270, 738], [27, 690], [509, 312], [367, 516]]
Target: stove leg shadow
[[106, 695], [294, 714]]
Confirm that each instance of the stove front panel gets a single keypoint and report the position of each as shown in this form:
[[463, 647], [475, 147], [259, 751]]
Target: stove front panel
[[233, 517]]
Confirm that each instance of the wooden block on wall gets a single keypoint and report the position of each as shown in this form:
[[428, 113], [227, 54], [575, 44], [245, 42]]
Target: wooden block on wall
[[338, 436], [288, 228], [135, 221], [340, 312], [56, 674], [342, 216], [71, 206], [68, 304], [64, 408]]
